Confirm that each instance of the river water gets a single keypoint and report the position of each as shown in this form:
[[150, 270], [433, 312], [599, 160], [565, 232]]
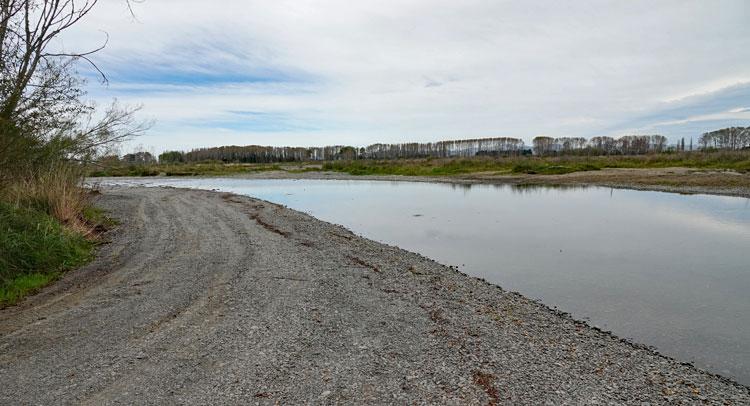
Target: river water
[[667, 270]]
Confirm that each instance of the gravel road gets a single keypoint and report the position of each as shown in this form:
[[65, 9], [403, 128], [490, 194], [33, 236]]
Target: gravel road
[[210, 298]]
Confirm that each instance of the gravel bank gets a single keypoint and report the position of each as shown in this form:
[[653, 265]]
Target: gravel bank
[[206, 298]]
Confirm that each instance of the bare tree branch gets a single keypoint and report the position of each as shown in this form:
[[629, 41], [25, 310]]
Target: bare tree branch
[[42, 111], [85, 57]]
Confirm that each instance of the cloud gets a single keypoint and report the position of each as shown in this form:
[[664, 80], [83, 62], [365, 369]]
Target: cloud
[[419, 70], [693, 115], [259, 122]]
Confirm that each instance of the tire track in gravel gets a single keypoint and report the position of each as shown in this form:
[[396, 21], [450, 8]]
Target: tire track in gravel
[[161, 279]]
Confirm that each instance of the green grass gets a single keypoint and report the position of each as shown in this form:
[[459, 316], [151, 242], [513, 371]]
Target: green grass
[[728, 160], [23, 285], [546, 168], [721, 160], [420, 167], [451, 167], [303, 170], [34, 250], [98, 218], [186, 169]]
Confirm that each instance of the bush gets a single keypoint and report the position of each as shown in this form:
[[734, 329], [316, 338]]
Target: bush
[[47, 226], [35, 249], [54, 190], [171, 157]]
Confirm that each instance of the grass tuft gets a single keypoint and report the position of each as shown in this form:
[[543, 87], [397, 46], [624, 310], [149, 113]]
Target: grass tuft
[[24, 285], [34, 249]]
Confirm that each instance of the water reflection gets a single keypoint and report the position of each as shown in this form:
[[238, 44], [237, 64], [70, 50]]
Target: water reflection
[[667, 270], [538, 189]]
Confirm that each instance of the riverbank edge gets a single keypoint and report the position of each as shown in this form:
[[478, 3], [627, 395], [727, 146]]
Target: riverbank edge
[[555, 311], [640, 179], [576, 179], [284, 217], [560, 313]]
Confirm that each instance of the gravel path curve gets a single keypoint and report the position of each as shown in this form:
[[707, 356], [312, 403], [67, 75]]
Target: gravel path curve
[[210, 298]]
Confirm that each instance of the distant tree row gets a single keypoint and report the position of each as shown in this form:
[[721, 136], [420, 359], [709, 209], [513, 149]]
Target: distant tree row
[[625, 145], [262, 154], [140, 157], [445, 149], [726, 138], [171, 157], [267, 154]]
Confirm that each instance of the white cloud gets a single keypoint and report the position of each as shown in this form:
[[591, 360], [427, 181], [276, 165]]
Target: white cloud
[[727, 115], [369, 71]]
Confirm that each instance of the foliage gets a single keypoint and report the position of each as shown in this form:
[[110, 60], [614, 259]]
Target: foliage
[[625, 145], [442, 149], [24, 284], [726, 138], [480, 147], [733, 160], [97, 218], [546, 168], [420, 167], [195, 169], [171, 157], [262, 154], [140, 158], [34, 249], [55, 190], [43, 116], [48, 134]]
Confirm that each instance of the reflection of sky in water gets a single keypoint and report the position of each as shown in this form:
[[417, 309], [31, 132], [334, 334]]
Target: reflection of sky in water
[[668, 270]]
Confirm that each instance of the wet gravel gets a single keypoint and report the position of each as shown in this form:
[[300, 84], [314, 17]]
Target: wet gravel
[[211, 298]]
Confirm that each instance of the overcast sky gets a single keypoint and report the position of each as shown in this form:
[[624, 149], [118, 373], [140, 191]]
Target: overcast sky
[[358, 72]]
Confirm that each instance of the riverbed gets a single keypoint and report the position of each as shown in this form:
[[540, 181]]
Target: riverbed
[[668, 270]]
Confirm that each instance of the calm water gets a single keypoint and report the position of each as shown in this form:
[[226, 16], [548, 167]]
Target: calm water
[[667, 270]]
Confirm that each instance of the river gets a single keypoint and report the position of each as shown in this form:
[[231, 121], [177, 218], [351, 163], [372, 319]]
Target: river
[[668, 270]]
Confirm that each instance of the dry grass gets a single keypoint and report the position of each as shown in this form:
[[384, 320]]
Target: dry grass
[[48, 227], [55, 190], [717, 160]]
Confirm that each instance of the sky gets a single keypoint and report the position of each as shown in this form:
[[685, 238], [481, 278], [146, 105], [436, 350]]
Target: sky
[[313, 73]]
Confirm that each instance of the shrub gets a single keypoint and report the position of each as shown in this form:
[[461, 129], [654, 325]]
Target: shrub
[[35, 249], [55, 190]]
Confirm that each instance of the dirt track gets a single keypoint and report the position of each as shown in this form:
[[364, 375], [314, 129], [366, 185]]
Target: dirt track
[[205, 298]]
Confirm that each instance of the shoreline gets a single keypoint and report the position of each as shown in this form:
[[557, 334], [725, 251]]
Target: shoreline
[[669, 180], [413, 328], [615, 178]]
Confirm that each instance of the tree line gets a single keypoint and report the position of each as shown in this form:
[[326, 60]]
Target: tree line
[[625, 145], [267, 154], [445, 149], [727, 138], [260, 154]]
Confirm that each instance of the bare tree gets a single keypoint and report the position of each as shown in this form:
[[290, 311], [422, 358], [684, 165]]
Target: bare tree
[[42, 111], [33, 75], [726, 138], [543, 145]]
